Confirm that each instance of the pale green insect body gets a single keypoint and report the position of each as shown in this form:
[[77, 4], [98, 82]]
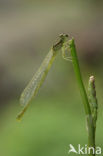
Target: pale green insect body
[[32, 88], [33, 85]]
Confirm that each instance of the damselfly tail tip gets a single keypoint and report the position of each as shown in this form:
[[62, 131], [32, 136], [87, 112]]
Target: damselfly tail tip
[[18, 118], [20, 115]]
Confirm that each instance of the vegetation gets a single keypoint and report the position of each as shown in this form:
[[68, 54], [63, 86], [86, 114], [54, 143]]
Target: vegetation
[[67, 46]]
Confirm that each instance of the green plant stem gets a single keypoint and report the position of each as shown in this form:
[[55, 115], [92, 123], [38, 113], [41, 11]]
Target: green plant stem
[[93, 102], [90, 129]]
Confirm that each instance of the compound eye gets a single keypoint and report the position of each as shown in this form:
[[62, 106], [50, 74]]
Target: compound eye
[[66, 35], [63, 35]]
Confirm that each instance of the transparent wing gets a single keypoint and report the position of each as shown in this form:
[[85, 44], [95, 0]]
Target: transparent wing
[[32, 88]]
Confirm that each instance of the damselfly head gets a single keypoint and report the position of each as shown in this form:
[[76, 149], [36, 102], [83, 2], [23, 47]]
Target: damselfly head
[[59, 43], [64, 36]]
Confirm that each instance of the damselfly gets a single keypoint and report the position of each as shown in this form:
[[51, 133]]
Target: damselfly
[[32, 88]]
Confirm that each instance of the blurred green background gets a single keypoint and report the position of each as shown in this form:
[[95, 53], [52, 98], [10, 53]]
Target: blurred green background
[[56, 117]]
